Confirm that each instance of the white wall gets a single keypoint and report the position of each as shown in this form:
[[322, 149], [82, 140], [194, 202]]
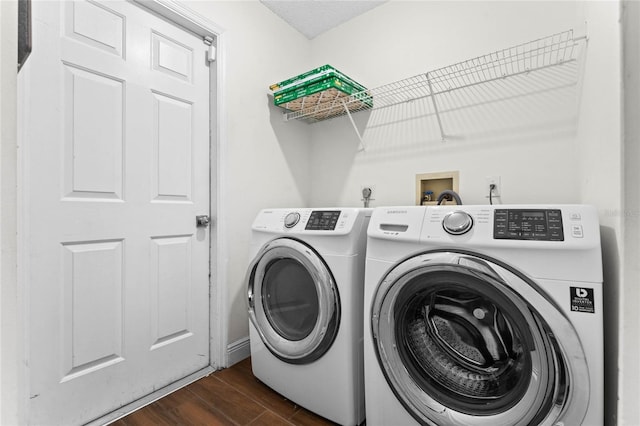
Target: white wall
[[10, 385], [265, 160], [629, 320], [522, 129], [601, 179]]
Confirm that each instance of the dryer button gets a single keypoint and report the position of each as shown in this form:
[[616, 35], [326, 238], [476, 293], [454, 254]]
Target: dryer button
[[291, 220]]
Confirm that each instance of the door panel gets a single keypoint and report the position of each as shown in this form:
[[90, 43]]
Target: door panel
[[92, 306], [170, 283], [97, 26], [116, 169], [172, 58], [173, 179], [93, 123]]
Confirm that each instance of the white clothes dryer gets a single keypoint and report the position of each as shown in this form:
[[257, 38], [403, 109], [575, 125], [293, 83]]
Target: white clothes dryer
[[305, 296], [484, 315]]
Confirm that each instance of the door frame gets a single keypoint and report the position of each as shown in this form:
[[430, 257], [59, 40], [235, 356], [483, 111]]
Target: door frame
[[187, 19]]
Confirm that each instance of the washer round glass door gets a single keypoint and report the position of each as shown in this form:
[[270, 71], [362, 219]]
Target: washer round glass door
[[293, 301], [464, 339]]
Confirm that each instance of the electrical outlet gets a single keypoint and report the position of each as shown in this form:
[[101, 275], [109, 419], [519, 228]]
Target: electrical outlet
[[493, 180]]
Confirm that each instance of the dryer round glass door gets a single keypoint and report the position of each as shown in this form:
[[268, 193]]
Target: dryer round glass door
[[293, 301], [464, 339]]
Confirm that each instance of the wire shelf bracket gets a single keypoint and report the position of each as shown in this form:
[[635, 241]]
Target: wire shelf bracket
[[435, 108], [353, 123]]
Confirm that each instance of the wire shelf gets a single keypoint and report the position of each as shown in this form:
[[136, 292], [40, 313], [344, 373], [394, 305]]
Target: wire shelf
[[546, 52], [329, 106]]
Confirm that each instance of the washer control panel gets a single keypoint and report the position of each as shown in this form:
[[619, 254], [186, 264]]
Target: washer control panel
[[528, 224], [322, 220]]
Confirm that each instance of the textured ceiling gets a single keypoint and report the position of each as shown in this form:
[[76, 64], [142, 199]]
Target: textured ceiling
[[313, 17]]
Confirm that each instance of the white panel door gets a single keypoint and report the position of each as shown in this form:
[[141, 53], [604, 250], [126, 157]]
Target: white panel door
[[117, 168]]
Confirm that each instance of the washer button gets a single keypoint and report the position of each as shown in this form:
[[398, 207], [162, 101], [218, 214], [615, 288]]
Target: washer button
[[576, 231], [457, 222]]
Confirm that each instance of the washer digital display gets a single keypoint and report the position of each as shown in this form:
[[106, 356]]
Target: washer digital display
[[528, 224]]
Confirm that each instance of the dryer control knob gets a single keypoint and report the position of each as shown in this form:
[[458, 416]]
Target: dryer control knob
[[291, 220], [457, 222]]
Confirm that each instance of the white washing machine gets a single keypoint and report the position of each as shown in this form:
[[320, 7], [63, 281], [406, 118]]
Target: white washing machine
[[484, 315], [305, 295]]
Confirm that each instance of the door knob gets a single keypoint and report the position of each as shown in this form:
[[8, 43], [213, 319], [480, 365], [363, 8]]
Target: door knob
[[203, 220]]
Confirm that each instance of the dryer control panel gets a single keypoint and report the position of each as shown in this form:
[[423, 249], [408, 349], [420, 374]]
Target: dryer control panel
[[310, 221], [528, 224]]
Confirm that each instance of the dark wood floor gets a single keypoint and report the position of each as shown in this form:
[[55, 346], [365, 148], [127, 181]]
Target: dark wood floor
[[232, 396]]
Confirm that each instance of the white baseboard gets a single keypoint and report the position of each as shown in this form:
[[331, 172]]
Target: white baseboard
[[238, 350]]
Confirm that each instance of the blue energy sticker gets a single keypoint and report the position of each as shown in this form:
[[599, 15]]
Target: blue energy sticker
[[582, 300]]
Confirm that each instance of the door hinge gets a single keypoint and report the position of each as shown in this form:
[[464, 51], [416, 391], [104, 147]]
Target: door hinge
[[211, 54]]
